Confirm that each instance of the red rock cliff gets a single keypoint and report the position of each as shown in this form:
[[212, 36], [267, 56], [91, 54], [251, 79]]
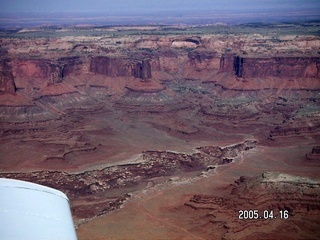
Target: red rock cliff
[[120, 67], [252, 67], [227, 63], [33, 71], [7, 84], [299, 67], [142, 70], [31, 68], [70, 66]]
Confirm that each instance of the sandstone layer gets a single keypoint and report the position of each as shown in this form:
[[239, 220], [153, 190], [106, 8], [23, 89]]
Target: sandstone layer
[[89, 189], [281, 201]]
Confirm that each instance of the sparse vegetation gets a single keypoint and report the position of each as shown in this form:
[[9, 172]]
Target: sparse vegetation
[[275, 30]]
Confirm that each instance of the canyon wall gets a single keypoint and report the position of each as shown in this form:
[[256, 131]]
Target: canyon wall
[[120, 67], [298, 67], [28, 73], [227, 63], [282, 66], [71, 66], [38, 72], [7, 84], [142, 69]]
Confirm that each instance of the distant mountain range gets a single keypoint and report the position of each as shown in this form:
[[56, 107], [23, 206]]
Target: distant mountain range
[[22, 20]]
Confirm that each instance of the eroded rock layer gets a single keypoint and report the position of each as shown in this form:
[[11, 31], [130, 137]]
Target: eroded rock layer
[[284, 67], [273, 205], [92, 186], [7, 84]]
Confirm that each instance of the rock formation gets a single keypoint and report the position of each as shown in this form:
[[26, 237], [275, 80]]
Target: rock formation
[[227, 63], [142, 70], [7, 84], [121, 67], [152, 164], [36, 72], [280, 200], [315, 154], [283, 67], [245, 66]]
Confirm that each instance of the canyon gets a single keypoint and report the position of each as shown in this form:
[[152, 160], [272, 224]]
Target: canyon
[[180, 125]]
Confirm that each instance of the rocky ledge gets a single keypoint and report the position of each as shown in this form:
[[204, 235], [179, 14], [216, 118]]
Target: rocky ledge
[[90, 190], [314, 154], [282, 201]]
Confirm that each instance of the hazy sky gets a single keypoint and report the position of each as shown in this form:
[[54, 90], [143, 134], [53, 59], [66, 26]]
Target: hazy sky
[[142, 6]]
